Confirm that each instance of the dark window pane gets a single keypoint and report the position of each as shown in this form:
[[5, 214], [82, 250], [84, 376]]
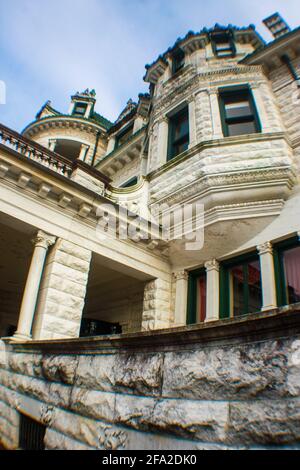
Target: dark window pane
[[201, 298], [124, 136], [238, 109], [80, 109], [179, 133], [241, 128], [254, 284], [246, 291], [291, 260], [181, 128], [178, 60], [237, 278], [179, 148]]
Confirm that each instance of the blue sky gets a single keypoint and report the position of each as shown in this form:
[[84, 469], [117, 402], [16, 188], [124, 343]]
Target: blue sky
[[49, 49]]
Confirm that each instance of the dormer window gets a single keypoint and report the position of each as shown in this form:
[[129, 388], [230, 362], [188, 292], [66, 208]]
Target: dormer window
[[223, 45], [79, 109], [178, 60]]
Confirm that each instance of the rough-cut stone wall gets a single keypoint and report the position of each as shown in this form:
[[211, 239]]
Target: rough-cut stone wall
[[231, 385], [288, 96], [240, 156], [157, 312], [62, 292]]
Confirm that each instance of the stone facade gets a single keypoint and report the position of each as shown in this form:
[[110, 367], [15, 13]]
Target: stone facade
[[239, 391], [219, 385]]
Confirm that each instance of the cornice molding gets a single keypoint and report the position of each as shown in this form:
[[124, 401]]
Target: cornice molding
[[60, 122]]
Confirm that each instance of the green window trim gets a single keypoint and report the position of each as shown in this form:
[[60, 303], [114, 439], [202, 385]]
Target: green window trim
[[192, 295], [225, 300], [243, 92], [278, 252]]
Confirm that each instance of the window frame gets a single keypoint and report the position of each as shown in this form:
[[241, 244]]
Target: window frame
[[280, 279], [121, 134], [81, 104], [178, 61], [173, 121], [226, 93], [225, 291], [192, 294], [228, 38]]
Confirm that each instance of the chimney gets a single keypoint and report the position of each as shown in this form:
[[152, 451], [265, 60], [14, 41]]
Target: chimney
[[277, 25]]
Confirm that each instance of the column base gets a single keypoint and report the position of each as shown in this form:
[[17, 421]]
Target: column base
[[268, 308], [20, 338], [210, 320]]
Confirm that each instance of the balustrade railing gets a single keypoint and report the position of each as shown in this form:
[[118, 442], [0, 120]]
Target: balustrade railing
[[34, 151]]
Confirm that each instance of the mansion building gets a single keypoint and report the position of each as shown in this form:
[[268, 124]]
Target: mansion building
[[85, 320]]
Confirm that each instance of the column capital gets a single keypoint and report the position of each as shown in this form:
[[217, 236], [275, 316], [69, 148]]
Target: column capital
[[191, 99], [212, 265], [181, 275], [85, 146], [265, 248], [43, 240], [163, 119], [213, 91]]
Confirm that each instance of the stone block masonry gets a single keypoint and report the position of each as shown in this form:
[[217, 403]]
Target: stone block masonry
[[62, 292], [233, 384]]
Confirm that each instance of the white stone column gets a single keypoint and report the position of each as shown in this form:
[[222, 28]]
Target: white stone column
[[181, 297], [41, 244], [83, 152], [111, 145], [212, 290], [260, 107], [52, 144], [267, 276], [163, 132], [215, 114], [192, 122]]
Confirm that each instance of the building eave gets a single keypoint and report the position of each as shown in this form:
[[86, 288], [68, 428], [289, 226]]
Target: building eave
[[273, 48]]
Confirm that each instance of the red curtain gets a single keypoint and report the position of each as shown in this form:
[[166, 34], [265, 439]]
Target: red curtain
[[292, 273], [202, 298]]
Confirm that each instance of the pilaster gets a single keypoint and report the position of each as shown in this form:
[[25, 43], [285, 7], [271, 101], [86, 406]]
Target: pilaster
[[267, 276], [212, 290]]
